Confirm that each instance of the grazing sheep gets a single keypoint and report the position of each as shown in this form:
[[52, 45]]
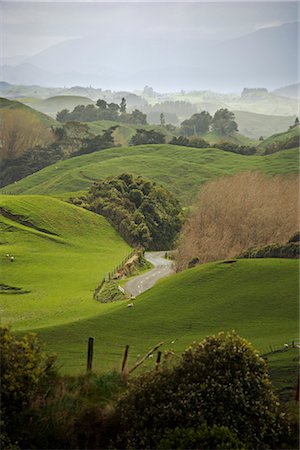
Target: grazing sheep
[[130, 305], [12, 258], [7, 255]]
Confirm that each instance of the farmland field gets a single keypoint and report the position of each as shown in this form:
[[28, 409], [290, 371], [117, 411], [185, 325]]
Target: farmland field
[[246, 296], [180, 169], [61, 253]]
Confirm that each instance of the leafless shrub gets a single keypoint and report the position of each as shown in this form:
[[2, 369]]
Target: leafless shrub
[[237, 212]]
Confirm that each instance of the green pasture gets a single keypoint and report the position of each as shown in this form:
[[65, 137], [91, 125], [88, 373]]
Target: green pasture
[[182, 170], [61, 254], [257, 297], [279, 139], [255, 125]]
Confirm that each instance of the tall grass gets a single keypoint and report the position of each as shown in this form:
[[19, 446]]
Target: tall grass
[[235, 213]]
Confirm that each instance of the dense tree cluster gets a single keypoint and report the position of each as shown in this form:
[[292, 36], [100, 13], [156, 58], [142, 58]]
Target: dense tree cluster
[[222, 123], [103, 111], [143, 136], [144, 213]]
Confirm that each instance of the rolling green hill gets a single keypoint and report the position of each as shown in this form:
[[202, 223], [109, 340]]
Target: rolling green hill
[[180, 169], [280, 140], [235, 138], [54, 104], [10, 104], [61, 254], [255, 125], [258, 298]]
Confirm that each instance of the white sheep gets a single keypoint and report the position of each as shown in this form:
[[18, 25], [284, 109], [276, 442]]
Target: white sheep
[[130, 305], [12, 258]]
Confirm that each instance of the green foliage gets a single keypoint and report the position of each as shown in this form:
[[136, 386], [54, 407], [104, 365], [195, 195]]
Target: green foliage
[[192, 141], [198, 123], [96, 143], [24, 368], [145, 214], [234, 148], [102, 111], [223, 122], [30, 162], [289, 250], [143, 136], [203, 437], [221, 381]]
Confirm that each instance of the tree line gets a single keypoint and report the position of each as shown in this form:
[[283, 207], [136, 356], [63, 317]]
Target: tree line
[[103, 111]]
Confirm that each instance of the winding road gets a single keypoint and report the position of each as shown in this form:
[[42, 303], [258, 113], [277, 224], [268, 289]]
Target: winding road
[[162, 268]]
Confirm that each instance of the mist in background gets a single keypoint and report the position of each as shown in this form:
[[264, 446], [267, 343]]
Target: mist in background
[[170, 46]]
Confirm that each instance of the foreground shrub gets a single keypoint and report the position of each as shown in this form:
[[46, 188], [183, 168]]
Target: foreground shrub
[[221, 382], [203, 437], [235, 213], [25, 368], [77, 414]]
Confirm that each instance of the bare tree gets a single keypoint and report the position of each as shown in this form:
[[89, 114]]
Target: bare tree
[[21, 130], [237, 212]]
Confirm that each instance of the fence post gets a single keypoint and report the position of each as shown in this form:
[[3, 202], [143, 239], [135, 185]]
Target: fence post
[[158, 360], [90, 354], [297, 390], [125, 357]]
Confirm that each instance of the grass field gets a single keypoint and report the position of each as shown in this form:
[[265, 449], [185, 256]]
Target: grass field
[[257, 298], [279, 139], [180, 169], [255, 125], [61, 253]]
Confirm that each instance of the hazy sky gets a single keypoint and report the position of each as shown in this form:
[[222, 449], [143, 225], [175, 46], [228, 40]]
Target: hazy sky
[[30, 27]]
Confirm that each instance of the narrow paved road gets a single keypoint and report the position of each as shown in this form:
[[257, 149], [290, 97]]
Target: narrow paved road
[[162, 268]]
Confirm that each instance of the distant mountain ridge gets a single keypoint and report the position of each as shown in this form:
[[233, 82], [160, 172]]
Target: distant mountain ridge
[[256, 59], [291, 91]]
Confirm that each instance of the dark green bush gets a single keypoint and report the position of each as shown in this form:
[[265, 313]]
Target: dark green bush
[[221, 381], [203, 437], [289, 250], [25, 370], [144, 213]]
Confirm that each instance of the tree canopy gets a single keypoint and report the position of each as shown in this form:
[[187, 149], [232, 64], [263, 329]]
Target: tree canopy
[[144, 213]]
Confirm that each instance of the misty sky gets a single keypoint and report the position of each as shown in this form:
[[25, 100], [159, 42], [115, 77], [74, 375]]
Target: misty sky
[[28, 28]]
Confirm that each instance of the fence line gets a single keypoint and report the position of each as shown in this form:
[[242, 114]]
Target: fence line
[[110, 274]]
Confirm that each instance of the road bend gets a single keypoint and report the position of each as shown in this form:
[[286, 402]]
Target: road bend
[[162, 268]]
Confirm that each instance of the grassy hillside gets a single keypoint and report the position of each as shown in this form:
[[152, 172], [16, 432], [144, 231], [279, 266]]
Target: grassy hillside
[[235, 138], [180, 169], [256, 125], [61, 253], [10, 104], [54, 104], [258, 298], [279, 139]]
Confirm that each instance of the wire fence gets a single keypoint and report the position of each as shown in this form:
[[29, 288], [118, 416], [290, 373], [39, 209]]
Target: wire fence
[[109, 275]]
